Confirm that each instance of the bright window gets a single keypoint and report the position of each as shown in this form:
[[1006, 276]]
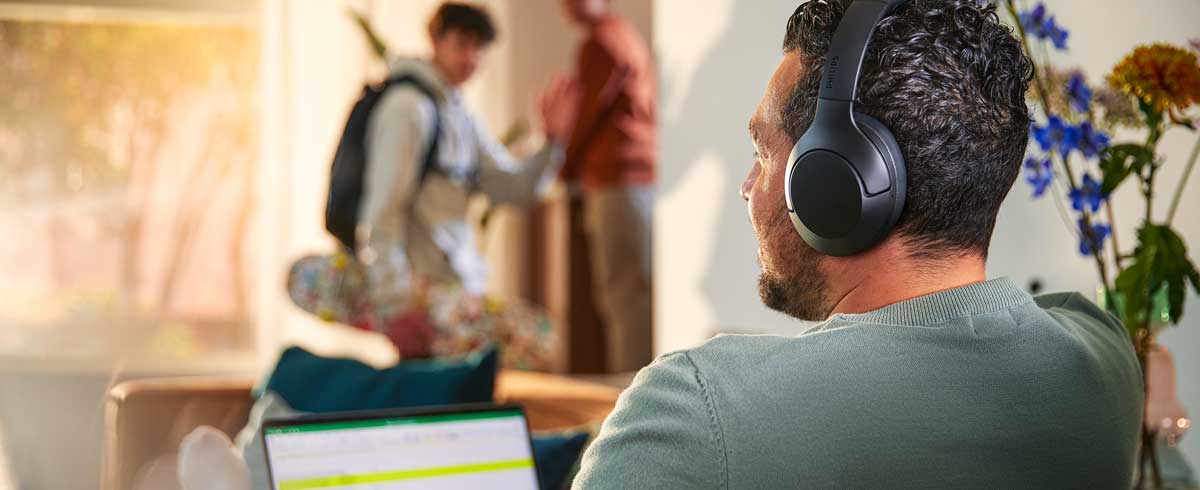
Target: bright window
[[128, 157]]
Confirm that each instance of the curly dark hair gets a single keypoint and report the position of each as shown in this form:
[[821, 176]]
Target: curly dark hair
[[466, 18], [949, 80]]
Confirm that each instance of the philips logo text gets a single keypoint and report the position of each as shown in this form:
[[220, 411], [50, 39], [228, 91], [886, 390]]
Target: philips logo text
[[831, 72]]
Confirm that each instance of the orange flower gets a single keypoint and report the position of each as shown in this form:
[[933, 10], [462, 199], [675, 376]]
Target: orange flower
[[1164, 77]]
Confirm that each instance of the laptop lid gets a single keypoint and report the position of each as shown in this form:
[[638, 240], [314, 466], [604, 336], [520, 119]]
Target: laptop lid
[[481, 446]]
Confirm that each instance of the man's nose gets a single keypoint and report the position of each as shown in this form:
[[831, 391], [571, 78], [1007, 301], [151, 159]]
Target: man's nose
[[751, 177]]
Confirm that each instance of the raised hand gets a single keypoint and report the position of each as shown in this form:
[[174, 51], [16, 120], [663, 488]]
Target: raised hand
[[558, 106]]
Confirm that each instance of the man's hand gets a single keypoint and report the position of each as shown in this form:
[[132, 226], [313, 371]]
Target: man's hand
[[558, 105]]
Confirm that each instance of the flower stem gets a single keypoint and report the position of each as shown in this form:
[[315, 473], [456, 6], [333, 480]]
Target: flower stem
[[1148, 192], [1112, 223], [1187, 172], [1148, 188], [1100, 265], [1060, 205]]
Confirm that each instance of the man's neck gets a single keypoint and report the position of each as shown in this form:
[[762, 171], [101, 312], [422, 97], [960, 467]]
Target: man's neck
[[889, 275], [441, 73]]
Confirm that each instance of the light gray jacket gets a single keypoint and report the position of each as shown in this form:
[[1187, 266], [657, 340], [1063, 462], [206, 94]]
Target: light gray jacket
[[403, 227]]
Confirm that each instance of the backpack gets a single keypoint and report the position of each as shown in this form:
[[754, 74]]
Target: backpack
[[350, 161]]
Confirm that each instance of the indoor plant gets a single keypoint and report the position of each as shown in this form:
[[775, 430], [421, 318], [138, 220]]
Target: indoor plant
[[1147, 93]]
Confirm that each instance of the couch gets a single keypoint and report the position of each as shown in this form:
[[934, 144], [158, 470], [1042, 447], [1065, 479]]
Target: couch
[[145, 420]]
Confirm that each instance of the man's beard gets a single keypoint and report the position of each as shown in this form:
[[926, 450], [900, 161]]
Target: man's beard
[[794, 284]]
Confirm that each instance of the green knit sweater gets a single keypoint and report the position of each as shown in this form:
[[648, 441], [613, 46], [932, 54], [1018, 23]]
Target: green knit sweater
[[981, 386]]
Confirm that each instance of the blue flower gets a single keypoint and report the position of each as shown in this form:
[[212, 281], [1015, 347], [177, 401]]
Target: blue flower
[[1087, 196], [1038, 174], [1091, 141], [1056, 34], [1094, 240], [1037, 24], [1079, 93], [1056, 134], [1033, 19]]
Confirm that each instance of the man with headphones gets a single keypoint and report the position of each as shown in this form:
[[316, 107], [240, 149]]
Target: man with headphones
[[886, 141]]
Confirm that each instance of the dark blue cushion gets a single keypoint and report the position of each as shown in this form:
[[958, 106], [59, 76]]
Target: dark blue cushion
[[556, 455], [311, 383]]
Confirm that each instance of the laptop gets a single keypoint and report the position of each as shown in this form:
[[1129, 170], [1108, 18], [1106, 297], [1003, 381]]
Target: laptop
[[482, 446]]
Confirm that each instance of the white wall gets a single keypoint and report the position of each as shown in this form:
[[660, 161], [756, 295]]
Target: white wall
[[715, 58]]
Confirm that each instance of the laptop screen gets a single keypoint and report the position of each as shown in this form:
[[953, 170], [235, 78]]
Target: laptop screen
[[480, 448]]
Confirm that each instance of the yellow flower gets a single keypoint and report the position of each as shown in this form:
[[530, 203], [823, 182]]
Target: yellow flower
[[340, 260], [326, 314], [493, 305], [1164, 77]]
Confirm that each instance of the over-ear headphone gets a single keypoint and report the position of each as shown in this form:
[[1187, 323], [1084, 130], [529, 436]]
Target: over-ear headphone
[[846, 178]]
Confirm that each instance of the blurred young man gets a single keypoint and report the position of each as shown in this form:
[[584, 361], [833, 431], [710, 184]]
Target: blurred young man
[[611, 159], [923, 374], [413, 227]]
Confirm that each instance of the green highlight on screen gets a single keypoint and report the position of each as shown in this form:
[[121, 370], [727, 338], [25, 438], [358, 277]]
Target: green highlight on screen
[[392, 476], [418, 419]]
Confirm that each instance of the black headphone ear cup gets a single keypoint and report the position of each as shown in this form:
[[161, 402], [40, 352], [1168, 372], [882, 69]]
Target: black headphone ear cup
[[889, 151], [882, 138], [826, 193]]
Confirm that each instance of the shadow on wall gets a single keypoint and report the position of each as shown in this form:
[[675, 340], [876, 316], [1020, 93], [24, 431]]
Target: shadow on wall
[[706, 153]]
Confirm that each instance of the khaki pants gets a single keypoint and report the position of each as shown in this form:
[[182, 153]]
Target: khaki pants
[[618, 224]]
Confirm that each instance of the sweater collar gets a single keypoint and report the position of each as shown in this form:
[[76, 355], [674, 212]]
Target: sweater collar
[[942, 306]]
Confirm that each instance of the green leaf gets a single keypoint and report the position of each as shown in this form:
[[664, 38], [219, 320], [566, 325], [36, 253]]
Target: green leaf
[[1175, 290], [1131, 284], [1159, 265], [1177, 269], [377, 45], [1119, 161]]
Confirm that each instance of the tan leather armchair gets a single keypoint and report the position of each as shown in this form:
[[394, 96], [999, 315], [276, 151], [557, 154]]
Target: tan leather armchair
[[147, 419]]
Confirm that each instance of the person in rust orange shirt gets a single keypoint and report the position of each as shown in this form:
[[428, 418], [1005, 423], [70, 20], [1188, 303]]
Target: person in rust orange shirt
[[610, 159]]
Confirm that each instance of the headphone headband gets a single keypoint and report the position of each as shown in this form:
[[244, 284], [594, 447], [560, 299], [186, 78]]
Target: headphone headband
[[848, 48]]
